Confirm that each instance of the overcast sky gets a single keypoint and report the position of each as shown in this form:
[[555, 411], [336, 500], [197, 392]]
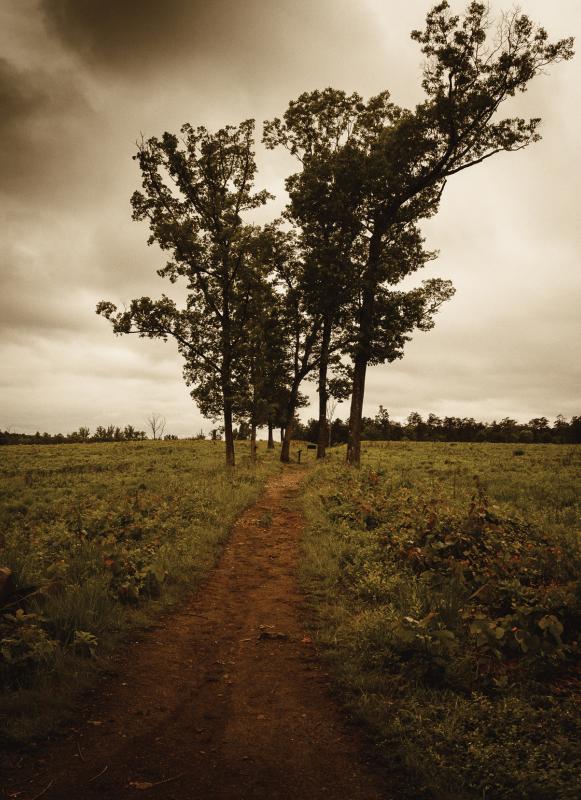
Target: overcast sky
[[80, 80]]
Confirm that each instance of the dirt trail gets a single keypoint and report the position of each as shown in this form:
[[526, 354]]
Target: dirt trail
[[224, 700]]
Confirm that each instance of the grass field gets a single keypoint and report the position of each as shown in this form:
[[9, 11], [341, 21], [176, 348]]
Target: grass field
[[443, 580], [445, 584], [100, 537]]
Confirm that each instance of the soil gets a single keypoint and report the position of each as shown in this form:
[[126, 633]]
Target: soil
[[225, 699]]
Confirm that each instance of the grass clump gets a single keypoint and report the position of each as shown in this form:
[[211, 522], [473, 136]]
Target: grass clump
[[99, 538], [451, 618]]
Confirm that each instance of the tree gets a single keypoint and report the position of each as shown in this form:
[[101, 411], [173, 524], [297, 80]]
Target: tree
[[316, 129], [383, 422], [263, 363], [337, 390], [195, 191], [394, 163], [300, 323], [243, 431], [157, 425], [130, 434], [540, 428], [453, 129], [328, 132]]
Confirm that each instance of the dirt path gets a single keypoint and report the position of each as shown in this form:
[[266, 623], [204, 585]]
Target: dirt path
[[224, 700]]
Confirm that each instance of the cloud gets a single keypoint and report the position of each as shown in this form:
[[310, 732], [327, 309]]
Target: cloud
[[24, 102], [489, 360], [245, 48], [81, 78], [39, 116], [94, 380], [125, 36], [131, 38]]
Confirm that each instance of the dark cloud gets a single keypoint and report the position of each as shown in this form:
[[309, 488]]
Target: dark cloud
[[39, 115], [24, 102], [221, 47], [80, 79], [132, 34], [21, 96]]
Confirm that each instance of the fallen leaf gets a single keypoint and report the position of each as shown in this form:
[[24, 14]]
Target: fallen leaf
[[140, 784]]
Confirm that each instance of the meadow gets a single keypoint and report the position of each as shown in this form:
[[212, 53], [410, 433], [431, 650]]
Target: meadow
[[100, 538], [444, 585], [442, 580]]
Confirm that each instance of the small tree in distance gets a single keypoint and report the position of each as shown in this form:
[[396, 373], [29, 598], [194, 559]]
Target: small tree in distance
[[157, 425]]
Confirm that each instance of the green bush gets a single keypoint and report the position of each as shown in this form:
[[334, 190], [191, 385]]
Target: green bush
[[450, 617], [93, 534]]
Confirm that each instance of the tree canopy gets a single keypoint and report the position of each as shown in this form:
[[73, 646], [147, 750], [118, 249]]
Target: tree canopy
[[316, 295]]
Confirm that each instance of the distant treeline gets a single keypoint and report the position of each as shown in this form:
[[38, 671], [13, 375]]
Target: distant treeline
[[379, 428], [450, 429], [110, 434]]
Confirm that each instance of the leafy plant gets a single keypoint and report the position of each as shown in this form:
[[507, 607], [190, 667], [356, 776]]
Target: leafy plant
[[451, 622], [24, 645], [85, 643]]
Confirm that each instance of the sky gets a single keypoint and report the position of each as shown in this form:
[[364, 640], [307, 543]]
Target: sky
[[82, 80]]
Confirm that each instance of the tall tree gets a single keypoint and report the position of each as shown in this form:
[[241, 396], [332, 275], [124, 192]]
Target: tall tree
[[299, 324], [195, 190], [390, 165], [454, 128], [315, 129], [330, 133], [262, 369]]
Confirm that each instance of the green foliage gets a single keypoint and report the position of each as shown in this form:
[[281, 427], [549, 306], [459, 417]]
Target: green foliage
[[24, 643], [372, 170], [195, 189], [85, 643], [93, 535], [448, 600]]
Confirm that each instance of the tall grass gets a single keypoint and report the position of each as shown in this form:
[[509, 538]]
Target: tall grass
[[99, 538], [444, 580]]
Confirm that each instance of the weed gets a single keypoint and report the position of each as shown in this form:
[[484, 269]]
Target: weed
[[97, 536], [265, 520], [451, 622]]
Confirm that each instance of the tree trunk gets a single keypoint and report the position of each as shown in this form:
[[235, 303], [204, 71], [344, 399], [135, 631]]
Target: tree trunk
[[253, 438], [358, 391], [282, 433], [286, 442], [365, 338], [270, 445], [226, 376], [228, 431], [288, 428], [323, 394]]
